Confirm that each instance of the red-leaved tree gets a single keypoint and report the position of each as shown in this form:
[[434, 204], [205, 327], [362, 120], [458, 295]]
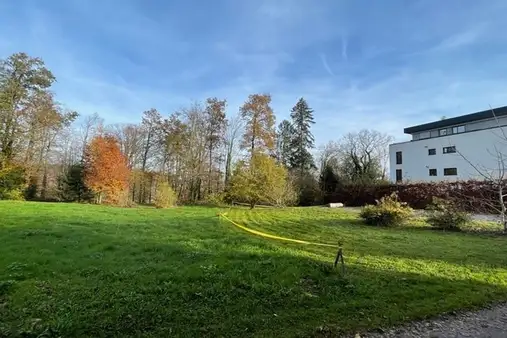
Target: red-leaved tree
[[105, 169]]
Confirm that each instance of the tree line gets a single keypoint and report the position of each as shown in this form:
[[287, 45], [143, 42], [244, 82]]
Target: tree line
[[199, 152]]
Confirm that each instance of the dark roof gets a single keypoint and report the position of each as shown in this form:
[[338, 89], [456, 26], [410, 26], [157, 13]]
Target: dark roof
[[485, 114]]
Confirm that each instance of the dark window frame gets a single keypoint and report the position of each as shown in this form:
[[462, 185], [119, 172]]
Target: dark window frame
[[399, 175], [432, 151], [454, 172], [458, 129], [449, 150], [433, 172], [399, 157]]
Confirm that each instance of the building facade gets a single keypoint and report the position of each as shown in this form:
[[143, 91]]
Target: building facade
[[459, 148]]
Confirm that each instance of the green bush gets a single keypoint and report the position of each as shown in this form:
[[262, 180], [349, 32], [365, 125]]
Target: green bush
[[13, 195], [216, 199], [165, 197], [12, 183], [389, 211], [445, 215]]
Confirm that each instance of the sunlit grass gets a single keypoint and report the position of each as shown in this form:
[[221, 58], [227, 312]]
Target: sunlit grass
[[83, 270]]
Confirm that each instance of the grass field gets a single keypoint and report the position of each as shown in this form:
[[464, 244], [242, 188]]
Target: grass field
[[84, 270]]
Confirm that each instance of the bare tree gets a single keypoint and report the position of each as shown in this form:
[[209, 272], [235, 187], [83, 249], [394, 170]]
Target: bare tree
[[129, 137], [216, 123], [234, 130], [494, 192], [88, 128], [364, 155], [151, 124], [328, 154]]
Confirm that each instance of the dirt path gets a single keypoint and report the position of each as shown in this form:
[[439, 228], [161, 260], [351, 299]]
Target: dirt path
[[486, 323]]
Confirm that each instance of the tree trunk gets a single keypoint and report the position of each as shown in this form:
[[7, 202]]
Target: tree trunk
[[43, 192], [228, 163], [151, 188], [502, 207], [210, 166]]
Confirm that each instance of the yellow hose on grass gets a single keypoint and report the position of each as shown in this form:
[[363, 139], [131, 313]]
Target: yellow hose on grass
[[263, 234]]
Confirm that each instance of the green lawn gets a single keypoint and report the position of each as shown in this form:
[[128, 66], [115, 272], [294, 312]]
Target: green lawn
[[83, 270]]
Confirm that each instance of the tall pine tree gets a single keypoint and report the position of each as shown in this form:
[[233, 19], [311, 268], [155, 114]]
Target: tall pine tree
[[284, 143], [302, 139]]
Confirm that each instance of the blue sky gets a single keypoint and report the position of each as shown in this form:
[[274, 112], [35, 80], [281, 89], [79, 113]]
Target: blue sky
[[383, 65]]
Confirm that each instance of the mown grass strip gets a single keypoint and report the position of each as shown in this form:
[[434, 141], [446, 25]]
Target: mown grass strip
[[263, 234]]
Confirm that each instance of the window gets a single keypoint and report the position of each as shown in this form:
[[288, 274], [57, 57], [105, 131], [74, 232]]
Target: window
[[449, 150], [432, 151], [416, 137], [424, 134], [458, 129], [442, 132], [399, 158], [433, 172], [450, 171], [398, 175]]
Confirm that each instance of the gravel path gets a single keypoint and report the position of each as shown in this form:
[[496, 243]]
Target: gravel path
[[487, 323]]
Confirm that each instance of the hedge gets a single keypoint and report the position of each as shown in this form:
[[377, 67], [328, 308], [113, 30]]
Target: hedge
[[473, 196]]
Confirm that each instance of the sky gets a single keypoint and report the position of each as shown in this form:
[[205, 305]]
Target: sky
[[382, 65]]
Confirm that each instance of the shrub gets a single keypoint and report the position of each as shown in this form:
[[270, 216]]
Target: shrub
[[14, 195], [12, 183], [124, 199], [445, 215], [286, 194], [388, 211], [216, 199], [262, 180], [165, 197]]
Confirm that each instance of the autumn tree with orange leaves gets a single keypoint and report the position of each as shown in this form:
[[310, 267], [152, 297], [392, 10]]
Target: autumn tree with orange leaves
[[105, 169], [260, 124]]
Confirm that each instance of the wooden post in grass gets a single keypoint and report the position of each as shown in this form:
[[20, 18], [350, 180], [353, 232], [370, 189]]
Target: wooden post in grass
[[339, 257]]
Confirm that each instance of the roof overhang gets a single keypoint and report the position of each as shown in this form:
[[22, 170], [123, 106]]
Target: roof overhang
[[482, 115]]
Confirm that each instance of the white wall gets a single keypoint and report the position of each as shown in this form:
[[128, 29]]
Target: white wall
[[478, 147]]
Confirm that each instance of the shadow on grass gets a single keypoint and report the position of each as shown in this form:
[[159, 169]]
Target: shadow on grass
[[82, 282], [457, 248]]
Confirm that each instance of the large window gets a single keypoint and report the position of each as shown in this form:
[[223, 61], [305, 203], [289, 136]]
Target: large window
[[458, 129], [432, 151], [450, 171], [399, 157], [433, 172], [442, 132], [449, 150], [399, 176]]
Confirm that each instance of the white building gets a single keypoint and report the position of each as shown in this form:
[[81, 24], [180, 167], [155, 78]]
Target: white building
[[457, 148]]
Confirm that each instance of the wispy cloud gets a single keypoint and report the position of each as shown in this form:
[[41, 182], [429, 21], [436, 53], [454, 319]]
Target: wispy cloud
[[326, 65], [395, 65], [462, 39], [344, 47]]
